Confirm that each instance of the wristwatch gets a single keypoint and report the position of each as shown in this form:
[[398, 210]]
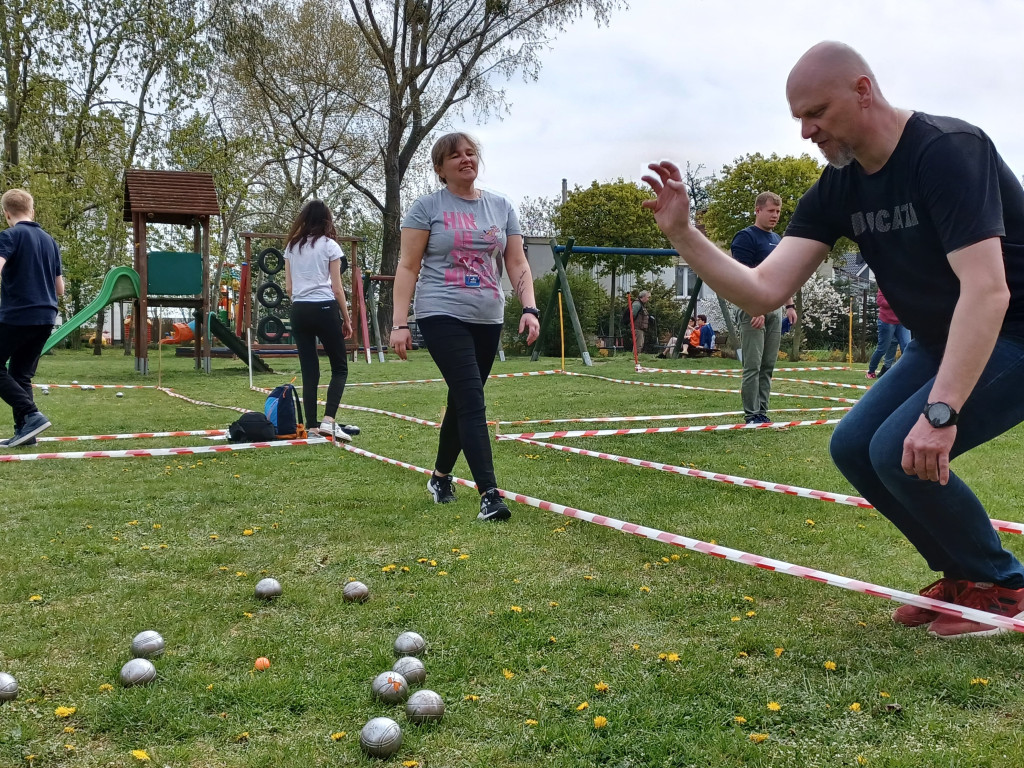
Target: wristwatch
[[399, 327], [940, 415], [531, 311]]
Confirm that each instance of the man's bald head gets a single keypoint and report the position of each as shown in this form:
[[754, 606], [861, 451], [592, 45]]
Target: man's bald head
[[831, 64]]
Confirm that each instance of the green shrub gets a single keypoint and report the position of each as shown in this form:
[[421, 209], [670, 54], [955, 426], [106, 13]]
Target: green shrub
[[590, 301]]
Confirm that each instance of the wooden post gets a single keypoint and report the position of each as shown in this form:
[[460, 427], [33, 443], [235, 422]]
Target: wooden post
[[140, 312], [205, 342]]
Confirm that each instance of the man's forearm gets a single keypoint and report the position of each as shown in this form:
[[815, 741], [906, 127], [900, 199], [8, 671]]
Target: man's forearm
[[972, 336]]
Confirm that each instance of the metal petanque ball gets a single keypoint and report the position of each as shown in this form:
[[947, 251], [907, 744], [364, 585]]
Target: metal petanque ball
[[46, 390], [119, 394], [8, 687], [381, 737], [424, 706], [147, 645], [411, 669], [137, 672], [268, 589], [409, 644], [355, 592], [390, 687]]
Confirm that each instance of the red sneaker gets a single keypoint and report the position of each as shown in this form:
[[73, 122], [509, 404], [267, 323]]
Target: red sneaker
[[984, 597], [943, 589]]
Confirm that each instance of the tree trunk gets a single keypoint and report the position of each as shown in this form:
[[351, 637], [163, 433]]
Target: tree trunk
[[97, 346]]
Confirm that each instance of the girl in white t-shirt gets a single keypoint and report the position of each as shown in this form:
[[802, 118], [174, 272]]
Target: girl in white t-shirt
[[313, 262]]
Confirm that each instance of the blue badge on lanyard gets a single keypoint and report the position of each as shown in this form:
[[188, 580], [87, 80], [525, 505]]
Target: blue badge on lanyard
[[472, 281]]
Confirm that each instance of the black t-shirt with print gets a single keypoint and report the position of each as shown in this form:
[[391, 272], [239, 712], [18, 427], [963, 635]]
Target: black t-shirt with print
[[943, 188]]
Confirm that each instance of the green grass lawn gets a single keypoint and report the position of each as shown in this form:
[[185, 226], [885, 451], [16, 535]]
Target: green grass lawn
[[525, 621]]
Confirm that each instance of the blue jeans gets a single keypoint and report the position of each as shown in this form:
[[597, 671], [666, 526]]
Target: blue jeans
[[887, 333], [946, 523]]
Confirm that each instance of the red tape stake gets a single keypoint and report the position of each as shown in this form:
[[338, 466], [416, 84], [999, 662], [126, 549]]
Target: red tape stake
[[734, 555]]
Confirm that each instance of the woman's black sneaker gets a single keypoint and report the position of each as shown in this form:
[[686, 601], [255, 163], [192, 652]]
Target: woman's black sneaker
[[492, 507], [441, 489]]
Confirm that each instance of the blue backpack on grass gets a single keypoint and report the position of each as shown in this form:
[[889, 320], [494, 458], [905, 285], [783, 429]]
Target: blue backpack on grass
[[284, 411]]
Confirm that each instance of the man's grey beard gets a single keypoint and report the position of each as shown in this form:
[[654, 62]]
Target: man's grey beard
[[840, 156]]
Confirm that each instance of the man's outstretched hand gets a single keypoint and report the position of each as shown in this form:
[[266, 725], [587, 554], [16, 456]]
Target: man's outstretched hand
[[671, 207]]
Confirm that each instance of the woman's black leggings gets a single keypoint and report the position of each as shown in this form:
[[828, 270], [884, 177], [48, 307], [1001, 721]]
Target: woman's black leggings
[[464, 352], [312, 319]]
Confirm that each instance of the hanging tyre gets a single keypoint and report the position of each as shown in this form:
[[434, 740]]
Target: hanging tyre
[[270, 260], [344, 265], [270, 295], [270, 329]]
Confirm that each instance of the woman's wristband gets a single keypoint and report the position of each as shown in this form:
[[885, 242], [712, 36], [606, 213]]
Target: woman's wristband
[[531, 311], [399, 327], [791, 306]]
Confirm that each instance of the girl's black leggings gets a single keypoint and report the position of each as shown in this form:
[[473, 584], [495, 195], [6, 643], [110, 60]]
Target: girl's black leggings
[[464, 353], [312, 319]]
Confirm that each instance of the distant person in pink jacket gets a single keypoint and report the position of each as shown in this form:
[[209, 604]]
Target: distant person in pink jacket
[[890, 333]]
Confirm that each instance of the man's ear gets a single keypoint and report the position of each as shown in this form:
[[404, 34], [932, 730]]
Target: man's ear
[[865, 90]]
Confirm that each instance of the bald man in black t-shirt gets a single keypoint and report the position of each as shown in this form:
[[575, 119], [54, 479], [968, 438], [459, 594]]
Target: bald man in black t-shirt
[[939, 217]]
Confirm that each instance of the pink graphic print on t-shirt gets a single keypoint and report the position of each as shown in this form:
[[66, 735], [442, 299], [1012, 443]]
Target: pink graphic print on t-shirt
[[473, 266]]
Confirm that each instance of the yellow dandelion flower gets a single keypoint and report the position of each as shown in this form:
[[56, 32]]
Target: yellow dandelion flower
[[471, 697], [830, 666], [133, 522], [751, 614], [774, 706], [243, 736], [433, 563], [672, 657], [531, 722], [809, 522], [552, 639], [163, 546], [636, 646], [883, 694], [862, 623], [665, 560], [405, 569], [779, 652], [338, 736], [241, 573], [645, 589], [741, 655], [552, 604], [141, 755], [662, 656], [35, 598], [584, 705], [675, 557], [157, 526], [442, 573], [422, 560], [516, 609], [588, 578], [69, 729], [601, 686], [748, 598], [739, 719], [463, 557], [508, 673], [106, 687], [223, 568], [65, 711], [247, 532], [209, 687], [861, 760], [855, 707], [30, 758], [213, 537], [736, 618], [410, 764], [757, 738], [979, 681], [69, 747], [247, 614], [600, 721]]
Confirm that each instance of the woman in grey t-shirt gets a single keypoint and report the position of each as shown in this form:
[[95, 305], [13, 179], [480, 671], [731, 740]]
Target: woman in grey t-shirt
[[454, 244]]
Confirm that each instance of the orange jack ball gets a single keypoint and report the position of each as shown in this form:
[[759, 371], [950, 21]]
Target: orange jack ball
[[262, 663]]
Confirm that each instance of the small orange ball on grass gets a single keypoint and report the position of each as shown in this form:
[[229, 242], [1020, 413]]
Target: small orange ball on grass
[[262, 663]]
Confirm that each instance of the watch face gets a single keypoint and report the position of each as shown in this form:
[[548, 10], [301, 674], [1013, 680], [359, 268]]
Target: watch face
[[938, 414]]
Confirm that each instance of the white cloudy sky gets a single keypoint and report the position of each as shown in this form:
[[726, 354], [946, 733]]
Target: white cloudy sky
[[704, 81]]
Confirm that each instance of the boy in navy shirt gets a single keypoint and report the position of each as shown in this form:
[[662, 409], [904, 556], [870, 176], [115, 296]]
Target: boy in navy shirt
[[30, 282]]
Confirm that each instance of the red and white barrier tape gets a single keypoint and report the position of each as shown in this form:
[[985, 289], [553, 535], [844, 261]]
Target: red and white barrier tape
[[151, 452], [662, 430], [668, 417], [645, 369], [790, 490], [363, 408], [435, 381], [94, 386], [172, 393], [734, 555], [133, 435], [823, 383], [703, 389]]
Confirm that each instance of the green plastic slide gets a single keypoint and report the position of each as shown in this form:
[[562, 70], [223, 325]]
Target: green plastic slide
[[120, 284]]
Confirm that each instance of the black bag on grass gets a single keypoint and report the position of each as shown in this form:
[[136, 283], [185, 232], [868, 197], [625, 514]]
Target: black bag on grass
[[251, 427]]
